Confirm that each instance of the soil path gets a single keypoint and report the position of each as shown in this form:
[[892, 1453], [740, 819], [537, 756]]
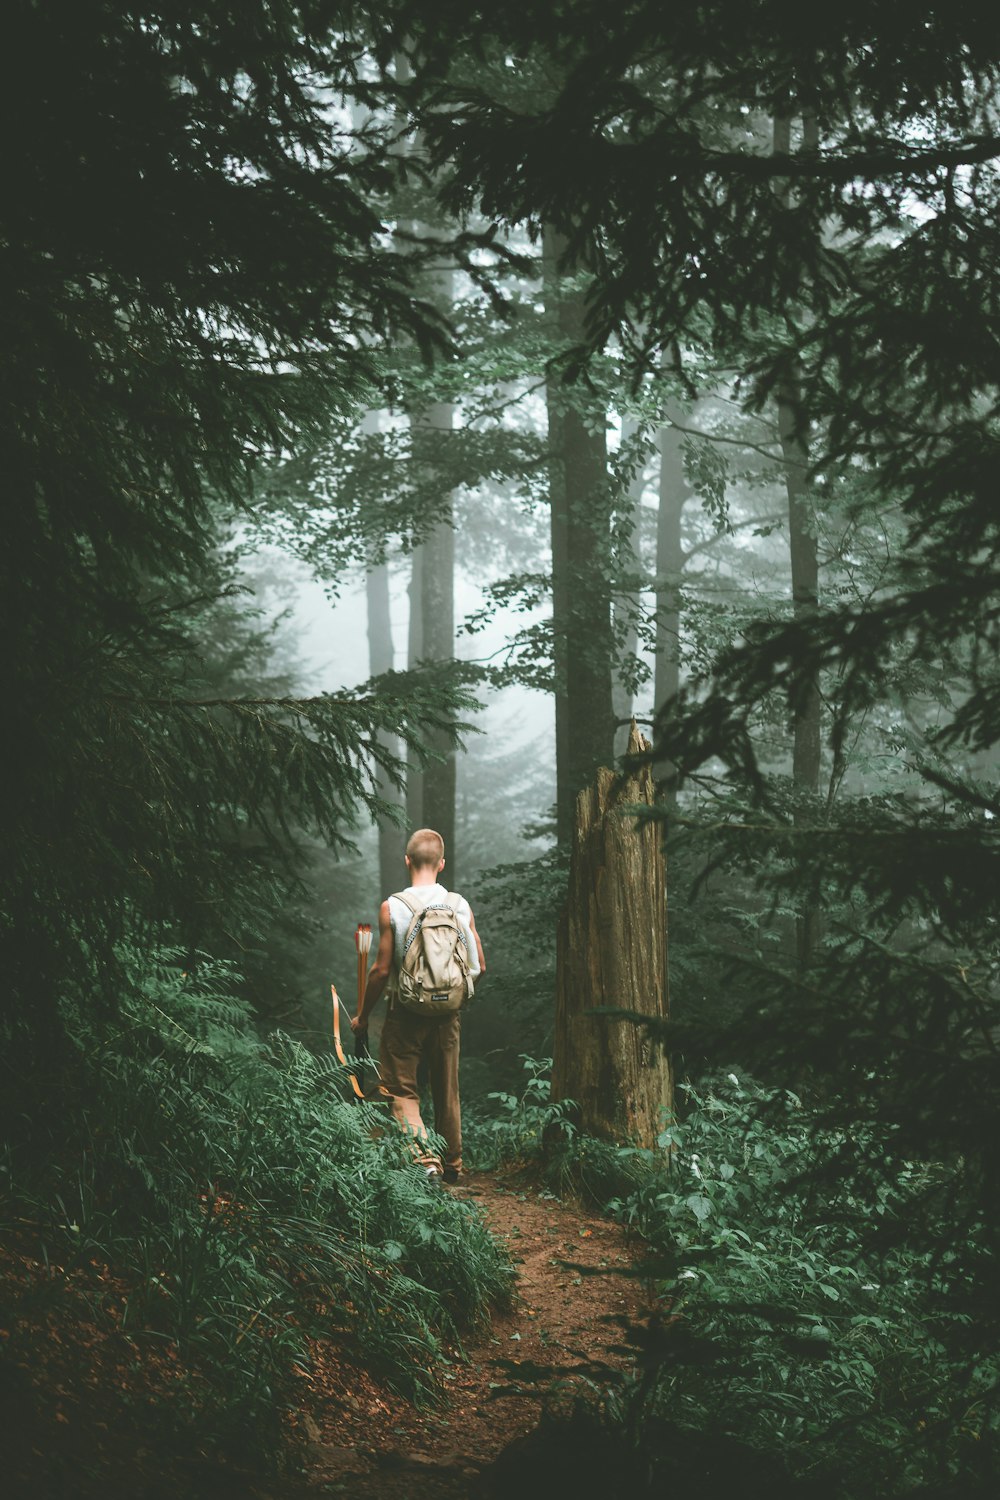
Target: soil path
[[572, 1298]]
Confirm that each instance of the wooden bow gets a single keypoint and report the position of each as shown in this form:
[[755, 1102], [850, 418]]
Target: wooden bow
[[338, 1045], [363, 943]]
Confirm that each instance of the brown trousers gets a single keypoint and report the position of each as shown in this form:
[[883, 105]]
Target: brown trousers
[[407, 1040]]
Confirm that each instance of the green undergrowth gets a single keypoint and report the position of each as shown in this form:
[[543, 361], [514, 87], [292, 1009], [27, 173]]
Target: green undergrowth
[[817, 1327], [501, 1129], [818, 1299], [529, 1128], [247, 1206]]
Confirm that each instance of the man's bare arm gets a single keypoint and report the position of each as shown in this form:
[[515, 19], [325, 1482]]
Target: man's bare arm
[[479, 946]]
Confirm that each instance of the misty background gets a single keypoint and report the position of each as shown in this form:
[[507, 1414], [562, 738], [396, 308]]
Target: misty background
[[394, 405]]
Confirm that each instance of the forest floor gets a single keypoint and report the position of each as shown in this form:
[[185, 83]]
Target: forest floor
[[577, 1290]]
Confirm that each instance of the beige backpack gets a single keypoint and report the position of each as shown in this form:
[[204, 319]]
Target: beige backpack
[[434, 978]]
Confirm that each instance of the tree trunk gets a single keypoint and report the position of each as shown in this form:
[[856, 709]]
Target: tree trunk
[[381, 658], [552, 245], [581, 563], [612, 950], [674, 492], [438, 632], [627, 599], [793, 432], [414, 652], [430, 796], [805, 579], [430, 799]]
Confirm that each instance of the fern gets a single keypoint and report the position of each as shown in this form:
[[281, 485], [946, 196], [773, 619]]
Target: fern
[[248, 1205]]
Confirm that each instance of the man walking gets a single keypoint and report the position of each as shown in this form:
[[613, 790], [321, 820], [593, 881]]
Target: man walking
[[409, 1037]]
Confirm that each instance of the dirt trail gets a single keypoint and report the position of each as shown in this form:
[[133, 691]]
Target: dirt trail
[[81, 1415], [563, 1318]]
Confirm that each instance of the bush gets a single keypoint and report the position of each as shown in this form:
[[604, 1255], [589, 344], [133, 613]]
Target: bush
[[799, 1321], [807, 1338], [515, 1129], [248, 1206], [530, 1127]]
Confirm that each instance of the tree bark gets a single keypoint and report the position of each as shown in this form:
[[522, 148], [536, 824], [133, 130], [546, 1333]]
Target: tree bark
[[438, 635], [414, 652], [430, 795], [552, 245], [612, 951], [627, 600], [805, 580], [381, 658], [430, 799], [581, 563], [673, 494], [430, 790]]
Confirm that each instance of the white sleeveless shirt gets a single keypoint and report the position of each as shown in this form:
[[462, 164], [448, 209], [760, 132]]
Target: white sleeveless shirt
[[400, 918]]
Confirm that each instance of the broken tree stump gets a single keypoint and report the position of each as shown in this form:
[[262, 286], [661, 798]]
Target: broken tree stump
[[612, 951]]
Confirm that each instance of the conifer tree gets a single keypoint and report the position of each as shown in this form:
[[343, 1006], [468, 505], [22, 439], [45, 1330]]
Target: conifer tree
[[196, 278]]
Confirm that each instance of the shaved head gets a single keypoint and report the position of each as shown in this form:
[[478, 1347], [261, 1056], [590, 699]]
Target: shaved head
[[425, 848]]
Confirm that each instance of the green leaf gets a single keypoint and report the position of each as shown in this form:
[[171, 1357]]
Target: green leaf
[[700, 1206]]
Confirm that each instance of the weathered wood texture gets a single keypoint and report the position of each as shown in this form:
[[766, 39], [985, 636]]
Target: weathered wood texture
[[612, 950]]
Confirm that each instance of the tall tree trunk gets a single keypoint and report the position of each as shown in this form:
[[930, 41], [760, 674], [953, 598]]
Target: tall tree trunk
[[381, 654], [612, 951], [430, 797], [627, 598], [431, 791], [674, 491], [793, 431], [381, 658], [581, 539], [414, 652], [438, 632], [805, 578], [551, 249]]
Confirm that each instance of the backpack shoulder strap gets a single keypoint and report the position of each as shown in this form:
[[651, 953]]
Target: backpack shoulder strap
[[416, 911]]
